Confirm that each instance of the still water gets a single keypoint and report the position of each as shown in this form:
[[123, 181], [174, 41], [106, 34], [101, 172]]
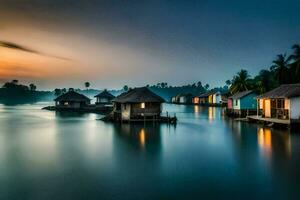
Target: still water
[[48, 155]]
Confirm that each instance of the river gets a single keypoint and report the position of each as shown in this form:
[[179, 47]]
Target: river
[[48, 155]]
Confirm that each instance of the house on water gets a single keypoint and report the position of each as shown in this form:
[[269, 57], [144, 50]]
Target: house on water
[[242, 104], [71, 100], [137, 104], [281, 105], [104, 98], [175, 99], [183, 98], [186, 98], [209, 98]]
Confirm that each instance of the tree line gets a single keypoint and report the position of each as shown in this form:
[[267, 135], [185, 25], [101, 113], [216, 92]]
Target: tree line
[[285, 69]]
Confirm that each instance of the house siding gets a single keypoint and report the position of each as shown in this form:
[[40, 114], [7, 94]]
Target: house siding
[[236, 104], [126, 108], [248, 102], [295, 108], [229, 104]]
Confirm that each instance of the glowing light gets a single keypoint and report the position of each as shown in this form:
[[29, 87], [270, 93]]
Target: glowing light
[[211, 113], [196, 109], [265, 140], [143, 105], [196, 100], [142, 137]]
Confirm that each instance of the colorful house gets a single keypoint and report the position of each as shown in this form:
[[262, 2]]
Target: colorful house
[[282, 103], [183, 98], [242, 104], [186, 98], [209, 98], [175, 99]]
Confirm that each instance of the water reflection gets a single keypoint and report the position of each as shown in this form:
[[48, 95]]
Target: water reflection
[[77, 155], [264, 139], [141, 136], [272, 140]]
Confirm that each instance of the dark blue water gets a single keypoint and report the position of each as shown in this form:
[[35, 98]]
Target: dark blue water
[[48, 155]]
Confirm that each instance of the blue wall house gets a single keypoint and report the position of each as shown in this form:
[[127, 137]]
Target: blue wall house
[[242, 104]]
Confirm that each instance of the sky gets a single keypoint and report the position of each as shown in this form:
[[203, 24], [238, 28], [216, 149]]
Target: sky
[[64, 43]]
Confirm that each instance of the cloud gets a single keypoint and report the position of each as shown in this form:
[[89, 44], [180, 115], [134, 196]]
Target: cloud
[[18, 47], [15, 46]]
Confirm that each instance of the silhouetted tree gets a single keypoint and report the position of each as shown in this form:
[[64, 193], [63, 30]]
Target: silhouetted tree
[[199, 84], [228, 82], [280, 68], [295, 65], [87, 85], [125, 88], [240, 82], [206, 86], [32, 87], [15, 81], [57, 92]]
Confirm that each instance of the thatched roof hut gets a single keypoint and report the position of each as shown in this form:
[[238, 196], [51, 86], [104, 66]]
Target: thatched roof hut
[[137, 103], [72, 99], [139, 95], [281, 103], [104, 97]]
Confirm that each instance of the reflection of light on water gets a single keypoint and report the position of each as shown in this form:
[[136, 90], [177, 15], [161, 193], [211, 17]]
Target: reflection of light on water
[[142, 137], [265, 140], [211, 113], [196, 109]]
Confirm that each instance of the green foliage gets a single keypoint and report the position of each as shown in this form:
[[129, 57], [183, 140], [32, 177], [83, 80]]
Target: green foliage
[[284, 70], [15, 93], [240, 82]]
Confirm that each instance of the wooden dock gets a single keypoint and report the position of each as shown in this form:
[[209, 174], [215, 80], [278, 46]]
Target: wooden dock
[[269, 120]]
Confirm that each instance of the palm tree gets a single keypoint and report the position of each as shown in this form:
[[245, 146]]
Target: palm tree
[[199, 84], [57, 92], [125, 88], [87, 85], [15, 81], [240, 82], [280, 68], [296, 61], [264, 81], [228, 82], [206, 86], [32, 87]]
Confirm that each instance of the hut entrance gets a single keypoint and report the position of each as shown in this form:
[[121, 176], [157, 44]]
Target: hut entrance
[[267, 108]]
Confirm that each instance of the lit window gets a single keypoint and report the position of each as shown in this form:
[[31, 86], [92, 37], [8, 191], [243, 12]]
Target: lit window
[[142, 105]]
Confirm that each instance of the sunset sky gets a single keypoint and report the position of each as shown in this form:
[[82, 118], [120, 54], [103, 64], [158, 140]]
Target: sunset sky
[[63, 43]]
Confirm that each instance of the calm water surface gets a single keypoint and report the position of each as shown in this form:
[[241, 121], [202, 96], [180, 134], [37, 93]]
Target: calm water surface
[[47, 155]]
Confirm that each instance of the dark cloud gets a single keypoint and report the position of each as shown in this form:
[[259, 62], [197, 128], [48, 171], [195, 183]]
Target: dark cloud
[[15, 46], [18, 47]]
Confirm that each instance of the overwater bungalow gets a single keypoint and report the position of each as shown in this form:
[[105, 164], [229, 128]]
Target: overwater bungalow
[[186, 98], [210, 98], [175, 99], [183, 98], [139, 104], [242, 104], [281, 105], [71, 100], [104, 98]]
